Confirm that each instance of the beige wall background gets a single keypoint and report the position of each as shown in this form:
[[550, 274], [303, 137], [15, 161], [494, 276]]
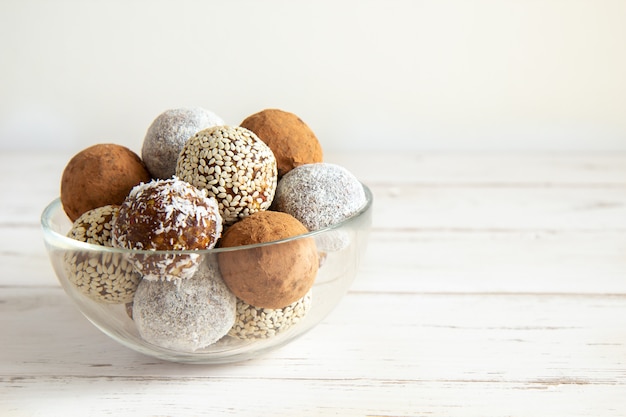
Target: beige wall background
[[413, 75]]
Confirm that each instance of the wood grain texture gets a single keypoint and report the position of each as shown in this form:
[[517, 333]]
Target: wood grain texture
[[516, 347], [493, 285]]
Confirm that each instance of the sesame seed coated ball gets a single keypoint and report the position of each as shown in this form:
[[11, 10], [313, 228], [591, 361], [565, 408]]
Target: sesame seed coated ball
[[185, 315], [167, 215], [168, 133], [261, 323], [102, 276], [94, 226], [234, 166]]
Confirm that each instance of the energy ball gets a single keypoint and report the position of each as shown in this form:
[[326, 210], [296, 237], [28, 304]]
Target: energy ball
[[262, 323], [102, 276], [185, 315], [94, 226], [234, 166], [168, 133], [100, 175], [270, 276], [291, 140], [167, 215], [319, 195]]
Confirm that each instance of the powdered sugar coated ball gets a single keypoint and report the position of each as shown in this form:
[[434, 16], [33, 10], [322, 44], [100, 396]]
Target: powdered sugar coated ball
[[185, 315], [234, 166], [319, 195], [167, 215], [168, 133]]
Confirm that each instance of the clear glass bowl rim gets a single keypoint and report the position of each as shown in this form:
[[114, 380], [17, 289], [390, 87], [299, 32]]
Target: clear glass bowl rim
[[56, 205]]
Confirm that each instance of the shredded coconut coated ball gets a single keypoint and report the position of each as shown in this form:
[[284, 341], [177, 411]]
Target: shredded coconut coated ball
[[319, 195], [167, 215], [167, 135], [234, 166], [185, 315]]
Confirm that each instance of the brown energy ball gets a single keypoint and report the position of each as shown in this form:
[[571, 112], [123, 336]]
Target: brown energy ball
[[100, 175], [167, 215], [102, 276], [291, 140], [234, 166], [270, 276]]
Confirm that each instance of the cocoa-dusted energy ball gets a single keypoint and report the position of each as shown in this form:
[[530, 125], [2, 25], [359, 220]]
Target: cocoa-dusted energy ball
[[185, 315], [167, 215], [292, 141], [102, 276], [168, 133], [100, 175], [262, 323], [269, 276], [234, 166]]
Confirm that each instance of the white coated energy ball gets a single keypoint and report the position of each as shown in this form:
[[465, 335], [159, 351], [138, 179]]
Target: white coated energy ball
[[186, 314], [319, 195], [167, 135]]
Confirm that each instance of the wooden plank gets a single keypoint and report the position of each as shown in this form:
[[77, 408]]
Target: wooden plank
[[100, 396], [458, 337], [472, 208], [24, 258], [524, 261], [602, 169], [549, 169], [426, 261], [498, 208], [429, 354], [466, 208], [463, 208], [30, 181], [434, 189]]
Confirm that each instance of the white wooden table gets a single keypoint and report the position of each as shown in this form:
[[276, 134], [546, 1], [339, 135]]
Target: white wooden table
[[494, 285]]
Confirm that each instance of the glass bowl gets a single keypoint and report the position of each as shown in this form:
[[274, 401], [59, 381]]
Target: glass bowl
[[339, 247]]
